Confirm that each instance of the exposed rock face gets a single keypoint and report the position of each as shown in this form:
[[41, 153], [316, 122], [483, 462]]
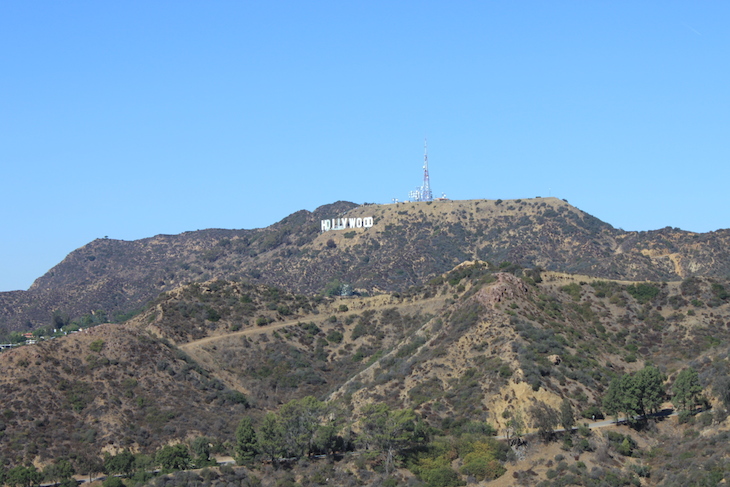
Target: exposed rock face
[[507, 287]]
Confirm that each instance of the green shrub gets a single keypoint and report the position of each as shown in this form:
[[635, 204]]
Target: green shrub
[[573, 289], [482, 466], [442, 477], [643, 292], [358, 331], [592, 412], [685, 417], [96, 345], [334, 337], [113, 482]]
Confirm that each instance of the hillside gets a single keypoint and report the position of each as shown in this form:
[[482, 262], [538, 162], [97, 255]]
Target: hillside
[[477, 344], [408, 244]]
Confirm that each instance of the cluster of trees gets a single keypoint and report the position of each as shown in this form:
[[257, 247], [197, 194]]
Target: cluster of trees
[[300, 427], [308, 426], [687, 389], [637, 395], [126, 464], [640, 394], [60, 472]]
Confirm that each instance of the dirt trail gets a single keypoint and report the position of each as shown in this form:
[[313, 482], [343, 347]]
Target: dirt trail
[[424, 304], [257, 330]]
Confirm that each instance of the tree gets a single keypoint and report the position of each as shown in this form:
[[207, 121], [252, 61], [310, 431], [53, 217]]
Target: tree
[[201, 447], [545, 418], [246, 447], [112, 482], [59, 471], [87, 463], [390, 431], [613, 399], [21, 476], [686, 388], [122, 463], [174, 457], [650, 384], [636, 395], [721, 388], [271, 437], [326, 438], [299, 420], [567, 419], [515, 427]]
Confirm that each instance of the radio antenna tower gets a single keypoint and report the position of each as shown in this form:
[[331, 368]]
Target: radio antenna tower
[[426, 194]]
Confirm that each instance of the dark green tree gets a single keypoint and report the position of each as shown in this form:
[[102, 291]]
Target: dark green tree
[[636, 395], [649, 383], [545, 418], [390, 431], [202, 447], [122, 463], [246, 447], [567, 418], [87, 463], [271, 437], [300, 419], [22, 476], [113, 482], [58, 471], [175, 457], [326, 438], [613, 399], [686, 389]]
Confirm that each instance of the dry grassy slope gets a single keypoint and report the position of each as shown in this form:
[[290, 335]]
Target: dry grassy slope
[[446, 348], [60, 396], [410, 243], [472, 343], [460, 369]]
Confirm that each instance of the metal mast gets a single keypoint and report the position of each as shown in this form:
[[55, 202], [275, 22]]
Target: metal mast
[[426, 194]]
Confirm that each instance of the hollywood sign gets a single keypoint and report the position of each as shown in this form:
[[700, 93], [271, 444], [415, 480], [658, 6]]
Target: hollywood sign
[[343, 223]]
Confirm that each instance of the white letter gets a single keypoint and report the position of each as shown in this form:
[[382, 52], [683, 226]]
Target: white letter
[[367, 222], [352, 222], [325, 225], [358, 223]]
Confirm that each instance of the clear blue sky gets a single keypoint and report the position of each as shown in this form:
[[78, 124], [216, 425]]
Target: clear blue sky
[[135, 118]]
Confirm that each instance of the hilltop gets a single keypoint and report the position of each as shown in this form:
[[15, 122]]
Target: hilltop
[[408, 244]]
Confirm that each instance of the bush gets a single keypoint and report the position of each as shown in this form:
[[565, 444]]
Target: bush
[[442, 477], [685, 417], [593, 412], [113, 482], [643, 292], [334, 337], [481, 467], [643, 471]]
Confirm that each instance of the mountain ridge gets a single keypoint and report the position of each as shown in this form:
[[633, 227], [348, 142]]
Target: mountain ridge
[[117, 277]]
